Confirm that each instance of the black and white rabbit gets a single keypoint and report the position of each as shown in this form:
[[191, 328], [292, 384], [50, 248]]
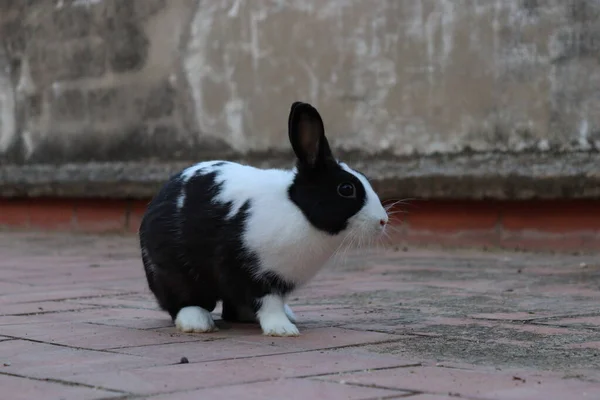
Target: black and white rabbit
[[222, 231]]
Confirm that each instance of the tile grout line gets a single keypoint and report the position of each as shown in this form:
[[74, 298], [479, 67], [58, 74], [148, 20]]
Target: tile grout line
[[265, 380], [48, 312], [62, 382], [391, 397], [373, 386], [78, 298], [264, 355], [359, 370], [411, 392], [113, 349], [67, 346], [535, 320]]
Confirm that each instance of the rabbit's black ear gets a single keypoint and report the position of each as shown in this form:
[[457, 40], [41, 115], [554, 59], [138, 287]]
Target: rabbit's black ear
[[307, 136], [294, 105]]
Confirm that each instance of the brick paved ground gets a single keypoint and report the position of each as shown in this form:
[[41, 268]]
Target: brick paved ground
[[77, 322]]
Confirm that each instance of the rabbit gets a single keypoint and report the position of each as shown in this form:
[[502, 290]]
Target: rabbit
[[248, 237]]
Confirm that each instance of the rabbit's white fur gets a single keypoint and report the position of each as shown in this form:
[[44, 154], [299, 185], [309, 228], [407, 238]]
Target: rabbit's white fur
[[194, 319]]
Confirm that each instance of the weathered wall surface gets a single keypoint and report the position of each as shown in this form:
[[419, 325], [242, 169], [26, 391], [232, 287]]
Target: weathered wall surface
[[433, 98]]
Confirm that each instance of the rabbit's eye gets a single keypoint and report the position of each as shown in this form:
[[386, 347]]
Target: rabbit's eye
[[347, 190]]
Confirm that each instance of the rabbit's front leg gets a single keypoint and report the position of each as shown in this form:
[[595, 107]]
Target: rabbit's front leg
[[273, 317]]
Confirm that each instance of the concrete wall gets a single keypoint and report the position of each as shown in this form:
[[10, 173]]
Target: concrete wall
[[432, 98]]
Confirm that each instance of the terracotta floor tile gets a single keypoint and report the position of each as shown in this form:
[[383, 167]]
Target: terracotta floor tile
[[289, 389], [221, 373], [485, 325]]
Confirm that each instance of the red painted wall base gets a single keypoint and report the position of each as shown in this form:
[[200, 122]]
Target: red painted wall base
[[560, 225]]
